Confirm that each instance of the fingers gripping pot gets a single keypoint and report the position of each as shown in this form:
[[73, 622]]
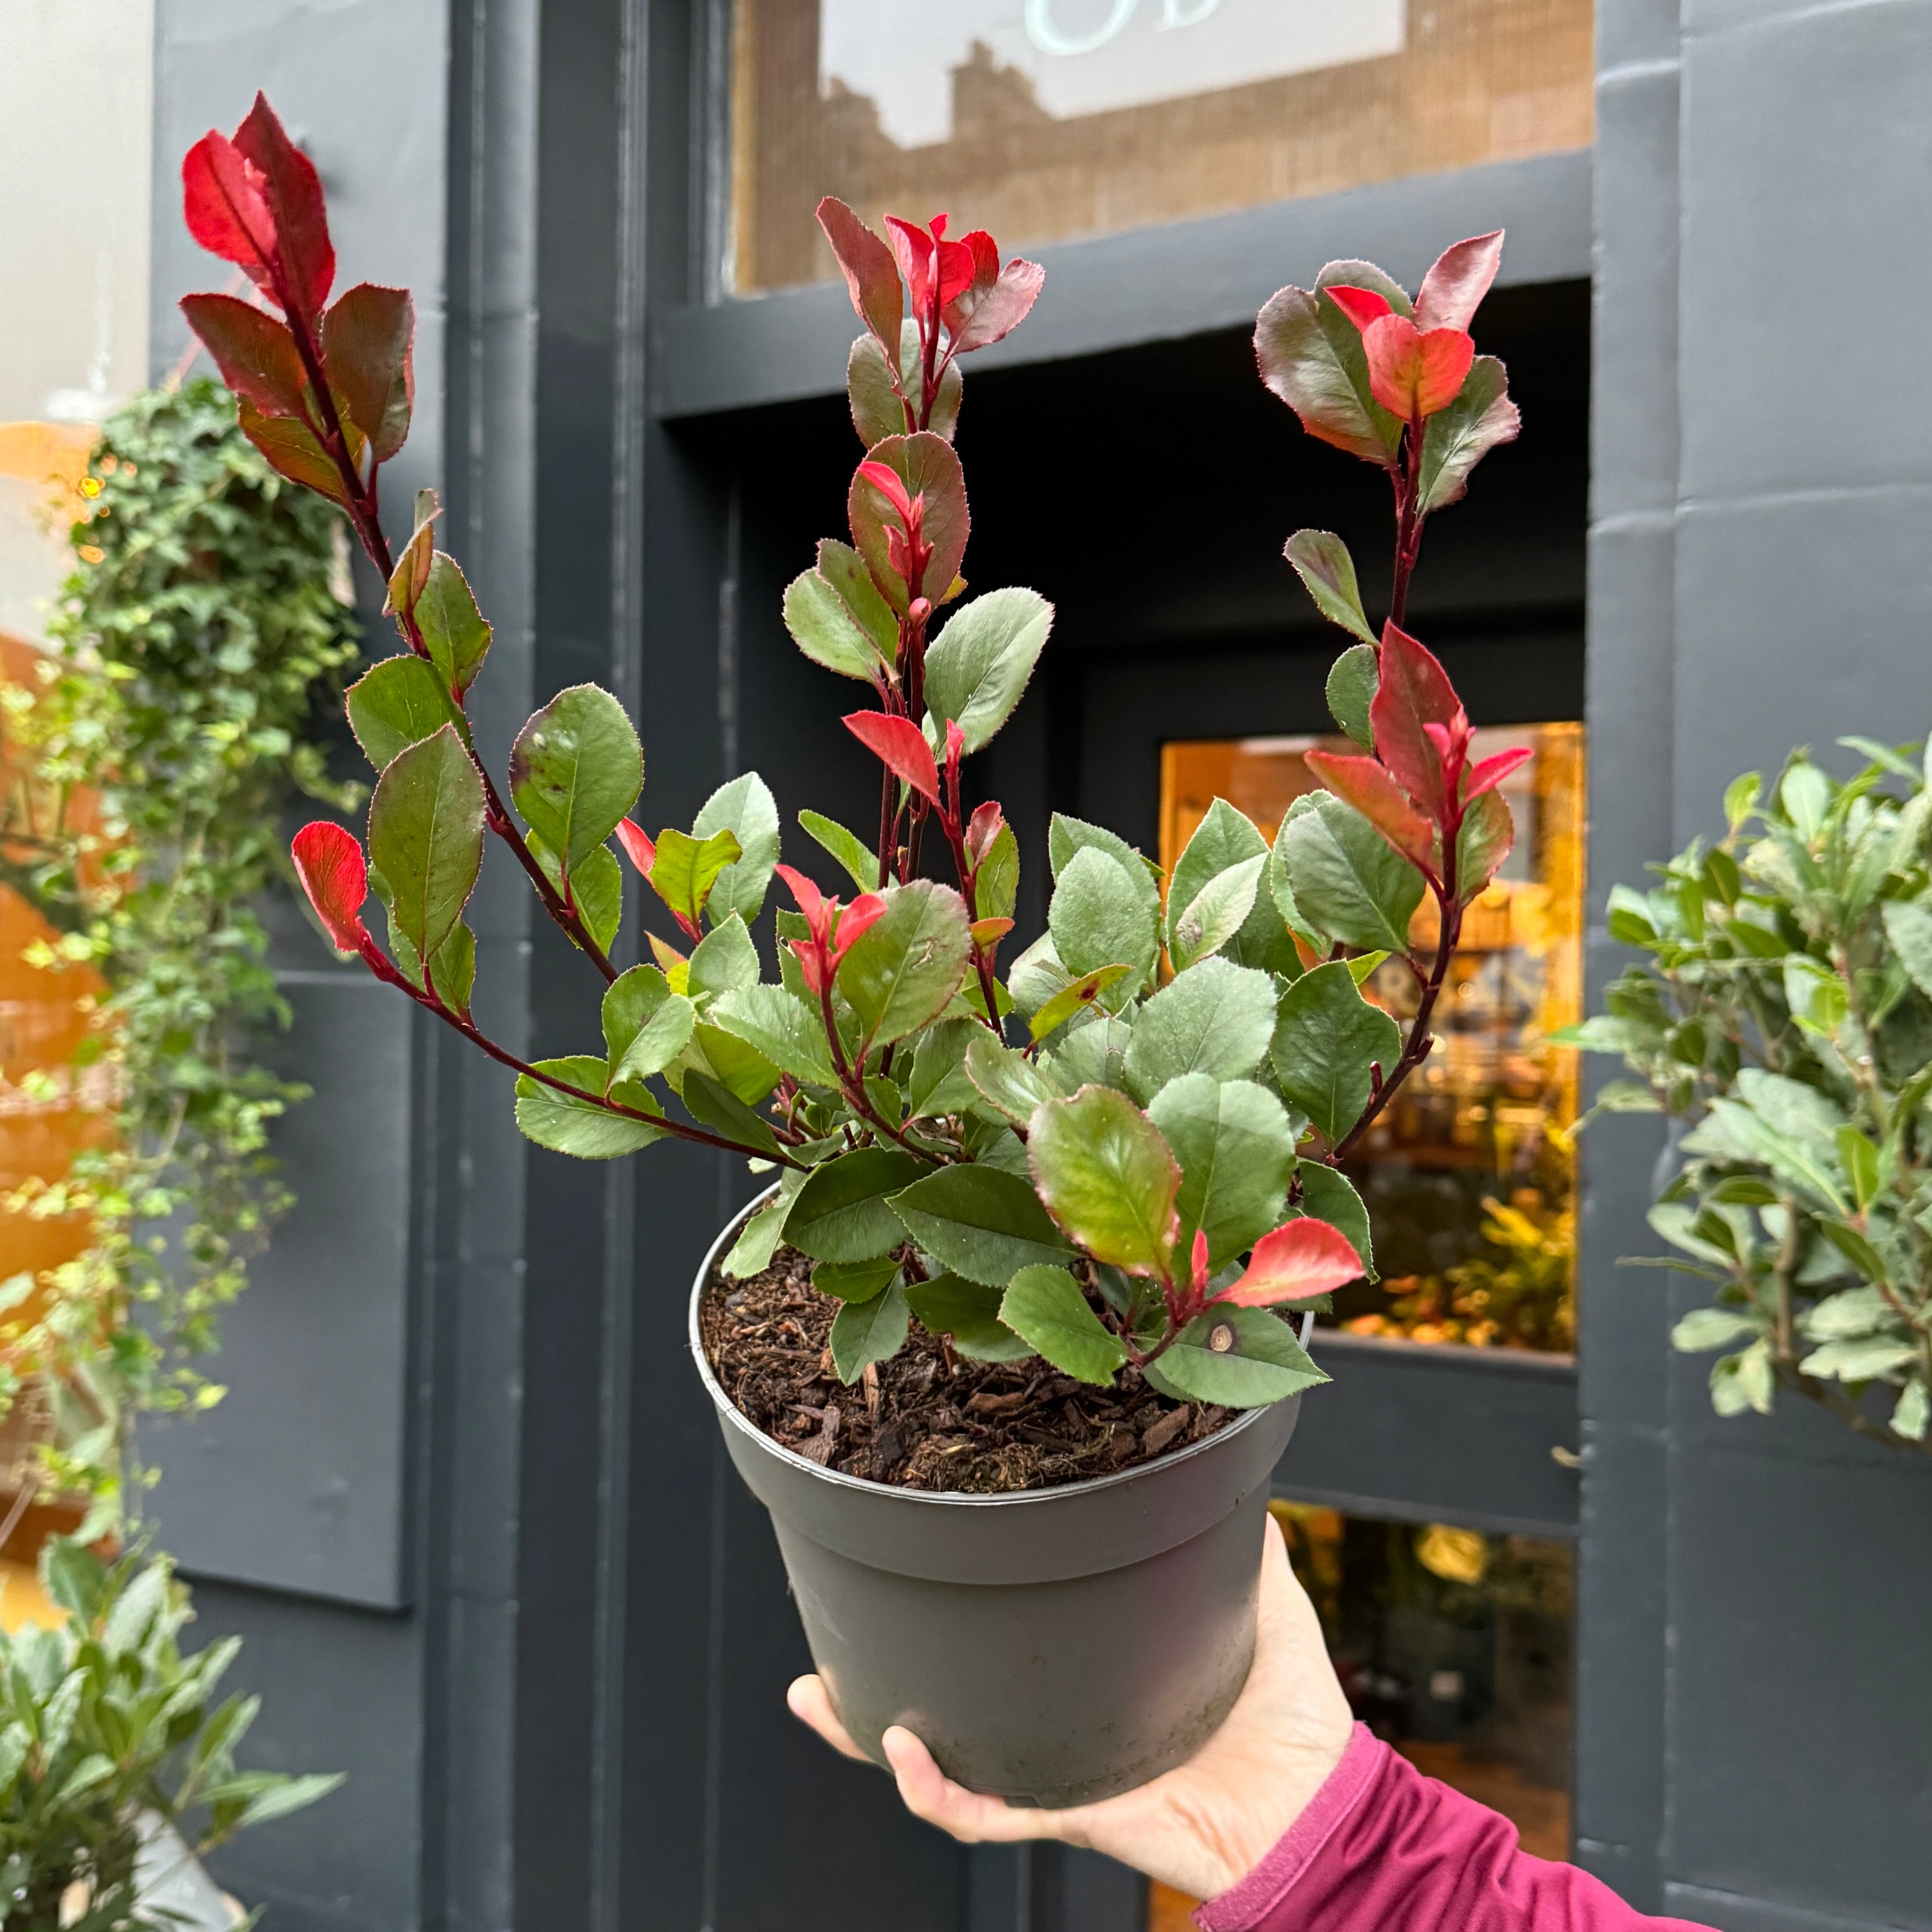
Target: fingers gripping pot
[[1051, 1646]]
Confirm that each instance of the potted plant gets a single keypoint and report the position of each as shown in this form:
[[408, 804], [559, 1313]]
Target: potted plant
[[1782, 1018], [1004, 1347]]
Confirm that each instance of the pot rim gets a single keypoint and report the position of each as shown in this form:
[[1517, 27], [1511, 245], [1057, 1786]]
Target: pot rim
[[736, 1418]]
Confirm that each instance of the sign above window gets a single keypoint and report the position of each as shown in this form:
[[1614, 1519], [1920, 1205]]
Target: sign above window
[[1043, 120]]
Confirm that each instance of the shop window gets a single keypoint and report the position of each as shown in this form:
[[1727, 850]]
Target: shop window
[[1469, 1175], [1453, 1646], [1046, 119]]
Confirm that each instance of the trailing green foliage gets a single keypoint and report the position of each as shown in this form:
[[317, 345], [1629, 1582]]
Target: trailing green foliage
[[117, 1756], [200, 631], [1784, 1014]]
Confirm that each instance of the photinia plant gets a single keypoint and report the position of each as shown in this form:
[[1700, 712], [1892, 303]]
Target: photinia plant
[[1122, 1148]]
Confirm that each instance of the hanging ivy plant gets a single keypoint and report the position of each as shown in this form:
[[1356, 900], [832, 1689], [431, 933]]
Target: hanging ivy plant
[[200, 639]]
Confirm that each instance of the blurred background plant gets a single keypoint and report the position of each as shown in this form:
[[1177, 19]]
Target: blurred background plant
[[199, 644]]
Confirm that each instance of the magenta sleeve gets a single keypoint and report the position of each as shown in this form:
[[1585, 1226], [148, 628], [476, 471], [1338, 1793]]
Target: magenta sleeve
[[1382, 1849]]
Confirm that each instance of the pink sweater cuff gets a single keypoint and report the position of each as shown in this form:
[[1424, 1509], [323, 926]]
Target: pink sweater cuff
[[1250, 1901]]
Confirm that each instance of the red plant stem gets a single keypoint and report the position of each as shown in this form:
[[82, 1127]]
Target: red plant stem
[[1407, 481], [361, 505], [384, 970], [852, 1082], [954, 824]]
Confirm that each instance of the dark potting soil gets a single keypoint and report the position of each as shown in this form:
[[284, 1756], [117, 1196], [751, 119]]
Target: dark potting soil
[[927, 1418]]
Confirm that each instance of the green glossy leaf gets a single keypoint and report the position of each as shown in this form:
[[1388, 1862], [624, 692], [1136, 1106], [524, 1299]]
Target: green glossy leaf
[[1218, 912], [1330, 1196], [1818, 998], [1010, 1083], [1094, 1053], [1108, 1177], [823, 628], [1044, 1306], [738, 1067], [860, 862], [744, 808], [1036, 975], [855, 1281], [977, 667], [453, 630], [1860, 1361], [426, 837], [938, 1083], [686, 870], [997, 888], [751, 1252], [712, 1101], [980, 1221], [1235, 1142], [1326, 1038], [1345, 877], [1458, 438], [787, 1032], [904, 971], [844, 569], [396, 704], [567, 1125], [596, 890], [877, 410], [724, 960], [969, 1312], [452, 968], [1908, 925], [1078, 996], [1321, 561], [1065, 837], [843, 1214], [1712, 1328], [1264, 1365], [1101, 916], [865, 1332], [645, 1025], [1215, 1019], [1351, 690], [575, 770], [1224, 838]]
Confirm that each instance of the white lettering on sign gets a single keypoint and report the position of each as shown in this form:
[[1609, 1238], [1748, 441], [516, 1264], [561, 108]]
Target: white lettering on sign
[[1079, 57]]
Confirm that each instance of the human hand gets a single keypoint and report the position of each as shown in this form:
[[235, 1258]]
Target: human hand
[[1205, 1824]]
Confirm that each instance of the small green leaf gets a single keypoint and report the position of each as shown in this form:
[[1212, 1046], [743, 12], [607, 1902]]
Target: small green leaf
[[1456, 439], [997, 886], [1044, 1306], [1218, 912], [939, 1084], [575, 770], [1860, 1361], [1265, 1364], [969, 1311], [426, 837], [1235, 1143], [567, 1125], [1346, 877], [1321, 561], [825, 629], [1078, 996], [855, 1281], [865, 1332], [1094, 1055], [1010, 1084], [904, 969], [1908, 925], [686, 869], [861, 863], [1216, 1018], [1330, 1196], [744, 807], [1108, 1177], [1860, 1160], [1913, 1413], [724, 960], [645, 1025], [1102, 915], [1705, 1328], [980, 1221], [712, 1100], [453, 629], [751, 1252], [781, 1026], [1351, 690], [844, 569], [1816, 996], [976, 669], [1067, 837], [1326, 1039], [396, 704], [842, 1213]]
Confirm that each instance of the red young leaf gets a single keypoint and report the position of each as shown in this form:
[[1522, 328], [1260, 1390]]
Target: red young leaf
[[1413, 375], [1484, 843], [1361, 306], [638, 845], [255, 352], [981, 828], [913, 249], [989, 931], [901, 745], [1454, 288], [985, 319], [1365, 784], [292, 190], [870, 273], [855, 921], [885, 480], [291, 447], [367, 342], [226, 211], [1487, 775], [1199, 1259], [1300, 1258], [330, 865], [1411, 690], [810, 900]]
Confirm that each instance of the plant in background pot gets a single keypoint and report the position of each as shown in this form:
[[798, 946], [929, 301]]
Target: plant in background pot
[[1784, 1013], [1005, 1347]]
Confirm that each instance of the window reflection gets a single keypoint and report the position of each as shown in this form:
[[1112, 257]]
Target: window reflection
[[1468, 1174], [1043, 119]]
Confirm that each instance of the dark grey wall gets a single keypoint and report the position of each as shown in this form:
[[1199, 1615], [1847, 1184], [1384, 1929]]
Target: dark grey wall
[[1753, 1750]]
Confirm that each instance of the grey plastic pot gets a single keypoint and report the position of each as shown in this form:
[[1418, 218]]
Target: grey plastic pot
[[1052, 1647]]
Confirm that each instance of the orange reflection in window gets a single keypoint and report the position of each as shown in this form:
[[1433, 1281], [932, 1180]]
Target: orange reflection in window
[[1468, 1180]]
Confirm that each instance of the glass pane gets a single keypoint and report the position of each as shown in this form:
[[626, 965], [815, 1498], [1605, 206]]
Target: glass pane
[[1453, 1646], [1045, 119], [1468, 1176]]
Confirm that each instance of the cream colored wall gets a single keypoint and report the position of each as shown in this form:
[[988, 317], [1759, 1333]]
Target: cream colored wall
[[76, 126]]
